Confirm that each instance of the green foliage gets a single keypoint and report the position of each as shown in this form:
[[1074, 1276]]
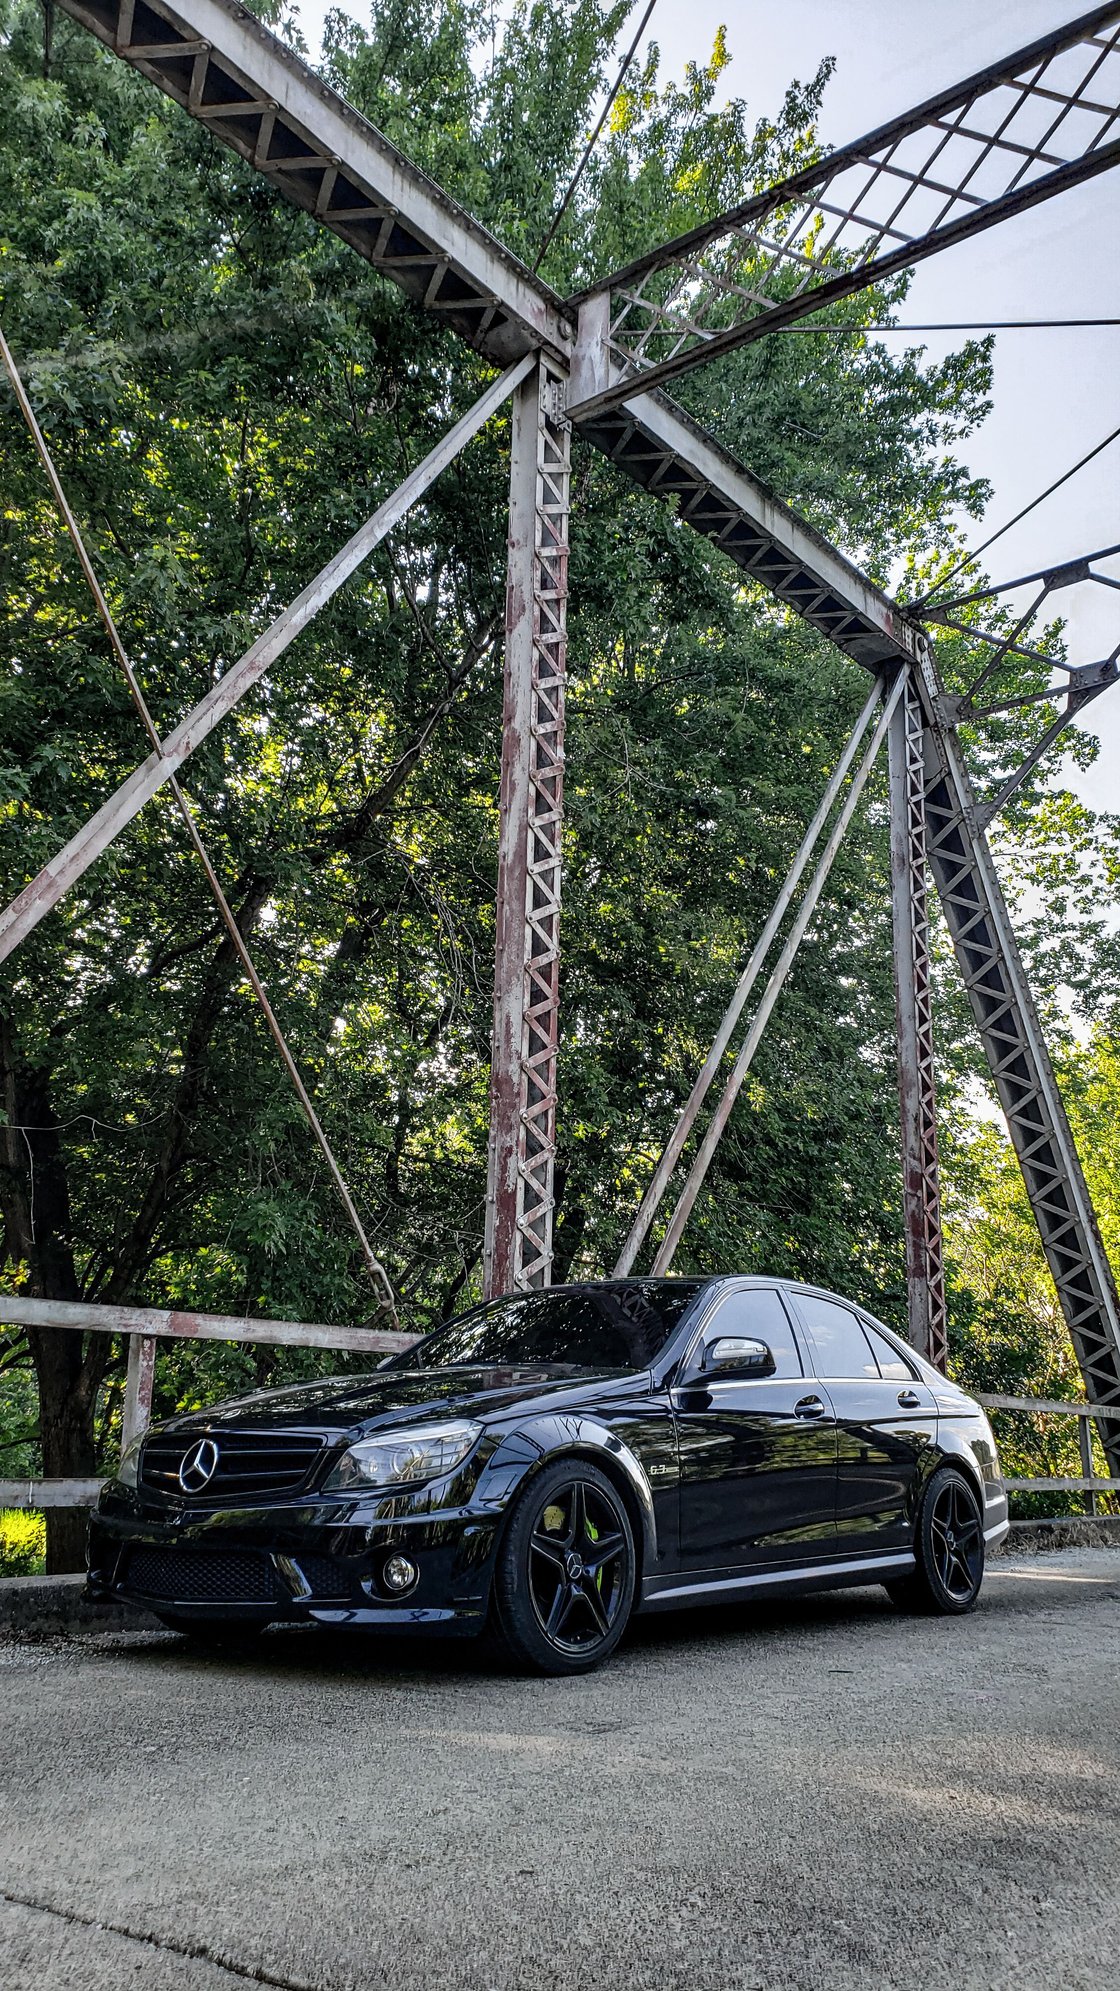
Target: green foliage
[[23, 1542]]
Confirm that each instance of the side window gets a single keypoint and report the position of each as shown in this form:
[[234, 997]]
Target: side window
[[893, 1367], [758, 1311], [840, 1342]]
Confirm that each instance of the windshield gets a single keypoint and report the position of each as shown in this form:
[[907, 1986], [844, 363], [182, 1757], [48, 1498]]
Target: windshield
[[620, 1326]]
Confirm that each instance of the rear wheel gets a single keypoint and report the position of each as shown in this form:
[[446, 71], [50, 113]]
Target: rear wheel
[[566, 1571], [948, 1549]]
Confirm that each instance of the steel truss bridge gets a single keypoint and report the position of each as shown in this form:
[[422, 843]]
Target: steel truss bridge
[[1019, 132]]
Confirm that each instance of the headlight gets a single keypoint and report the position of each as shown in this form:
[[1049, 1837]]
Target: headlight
[[126, 1472], [400, 1458]]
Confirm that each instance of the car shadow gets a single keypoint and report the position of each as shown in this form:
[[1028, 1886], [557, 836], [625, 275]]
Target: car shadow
[[319, 1651]]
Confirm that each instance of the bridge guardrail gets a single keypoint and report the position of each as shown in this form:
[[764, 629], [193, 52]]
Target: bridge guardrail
[[1088, 1413], [143, 1327]]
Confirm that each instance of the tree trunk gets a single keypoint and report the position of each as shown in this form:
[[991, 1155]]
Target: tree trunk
[[36, 1203]]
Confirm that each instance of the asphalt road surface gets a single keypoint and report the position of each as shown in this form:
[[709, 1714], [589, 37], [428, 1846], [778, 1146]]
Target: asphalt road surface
[[823, 1794]]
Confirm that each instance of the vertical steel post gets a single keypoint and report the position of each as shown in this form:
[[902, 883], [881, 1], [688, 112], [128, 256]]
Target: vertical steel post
[[925, 1271], [139, 1381], [519, 1195]]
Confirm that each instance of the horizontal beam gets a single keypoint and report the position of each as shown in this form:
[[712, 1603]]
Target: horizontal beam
[[1049, 1406], [56, 877], [255, 95], [41, 1493], [1061, 1485], [17, 1310]]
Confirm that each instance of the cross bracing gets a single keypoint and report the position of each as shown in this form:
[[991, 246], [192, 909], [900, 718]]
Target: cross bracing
[[1022, 132], [1012, 135]]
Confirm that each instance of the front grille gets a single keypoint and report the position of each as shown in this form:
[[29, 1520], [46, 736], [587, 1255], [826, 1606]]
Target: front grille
[[203, 1576], [251, 1465], [327, 1581]]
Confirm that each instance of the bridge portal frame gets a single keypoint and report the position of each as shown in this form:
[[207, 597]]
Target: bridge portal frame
[[253, 94]]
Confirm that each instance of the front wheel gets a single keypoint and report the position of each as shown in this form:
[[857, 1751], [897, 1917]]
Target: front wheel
[[566, 1572], [948, 1550]]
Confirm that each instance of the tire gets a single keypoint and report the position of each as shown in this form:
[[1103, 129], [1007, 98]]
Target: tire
[[566, 1572], [212, 1631], [949, 1550]]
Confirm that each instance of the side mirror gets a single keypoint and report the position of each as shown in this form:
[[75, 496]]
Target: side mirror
[[733, 1354]]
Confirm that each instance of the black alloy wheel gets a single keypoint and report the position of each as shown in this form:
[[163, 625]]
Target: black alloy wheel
[[948, 1548], [565, 1577]]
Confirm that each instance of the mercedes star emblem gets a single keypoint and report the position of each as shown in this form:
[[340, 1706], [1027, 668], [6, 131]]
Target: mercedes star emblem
[[199, 1466]]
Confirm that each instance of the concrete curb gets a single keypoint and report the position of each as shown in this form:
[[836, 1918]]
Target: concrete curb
[[38, 1604], [1078, 1531]]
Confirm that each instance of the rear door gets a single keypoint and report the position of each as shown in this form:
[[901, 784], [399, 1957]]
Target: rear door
[[886, 1418], [757, 1454]]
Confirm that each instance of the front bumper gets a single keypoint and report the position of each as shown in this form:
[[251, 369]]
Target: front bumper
[[320, 1561], [997, 1525]]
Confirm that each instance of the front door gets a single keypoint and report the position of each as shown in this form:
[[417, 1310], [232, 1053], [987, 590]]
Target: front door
[[757, 1455], [886, 1418]]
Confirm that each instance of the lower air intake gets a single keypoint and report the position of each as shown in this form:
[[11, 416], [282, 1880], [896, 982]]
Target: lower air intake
[[203, 1576]]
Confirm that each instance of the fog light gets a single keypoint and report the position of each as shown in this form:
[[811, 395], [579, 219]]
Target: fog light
[[399, 1574]]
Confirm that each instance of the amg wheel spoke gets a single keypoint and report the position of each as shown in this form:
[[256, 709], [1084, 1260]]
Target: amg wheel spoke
[[963, 1571], [549, 1548], [561, 1606], [596, 1606], [606, 1550]]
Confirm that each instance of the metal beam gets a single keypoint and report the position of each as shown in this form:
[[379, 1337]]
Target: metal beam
[[988, 956], [664, 1259], [249, 89], [686, 1120], [917, 1086], [672, 456], [40, 1493], [1016, 133], [86, 1316], [520, 1194], [61, 872]]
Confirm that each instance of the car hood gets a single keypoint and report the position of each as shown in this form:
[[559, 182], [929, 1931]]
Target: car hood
[[402, 1396]]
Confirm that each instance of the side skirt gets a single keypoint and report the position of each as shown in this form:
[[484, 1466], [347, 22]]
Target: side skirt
[[668, 1593]]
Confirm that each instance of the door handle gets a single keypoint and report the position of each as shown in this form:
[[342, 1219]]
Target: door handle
[[809, 1406], [909, 1399]]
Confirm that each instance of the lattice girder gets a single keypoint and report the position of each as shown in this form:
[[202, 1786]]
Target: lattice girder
[[1015, 133]]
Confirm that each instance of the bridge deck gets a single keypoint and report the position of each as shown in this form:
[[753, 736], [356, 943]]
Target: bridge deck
[[822, 1795]]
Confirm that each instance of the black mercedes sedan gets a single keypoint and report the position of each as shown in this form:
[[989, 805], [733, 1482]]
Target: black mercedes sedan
[[551, 1462]]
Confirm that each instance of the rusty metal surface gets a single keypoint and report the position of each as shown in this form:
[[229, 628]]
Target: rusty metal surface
[[520, 1194], [139, 1384], [917, 1081]]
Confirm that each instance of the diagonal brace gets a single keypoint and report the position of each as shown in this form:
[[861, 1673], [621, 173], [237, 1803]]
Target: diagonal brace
[[687, 1117], [774, 986], [55, 879]]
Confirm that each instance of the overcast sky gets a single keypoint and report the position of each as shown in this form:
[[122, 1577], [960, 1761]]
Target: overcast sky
[[1056, 393]]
